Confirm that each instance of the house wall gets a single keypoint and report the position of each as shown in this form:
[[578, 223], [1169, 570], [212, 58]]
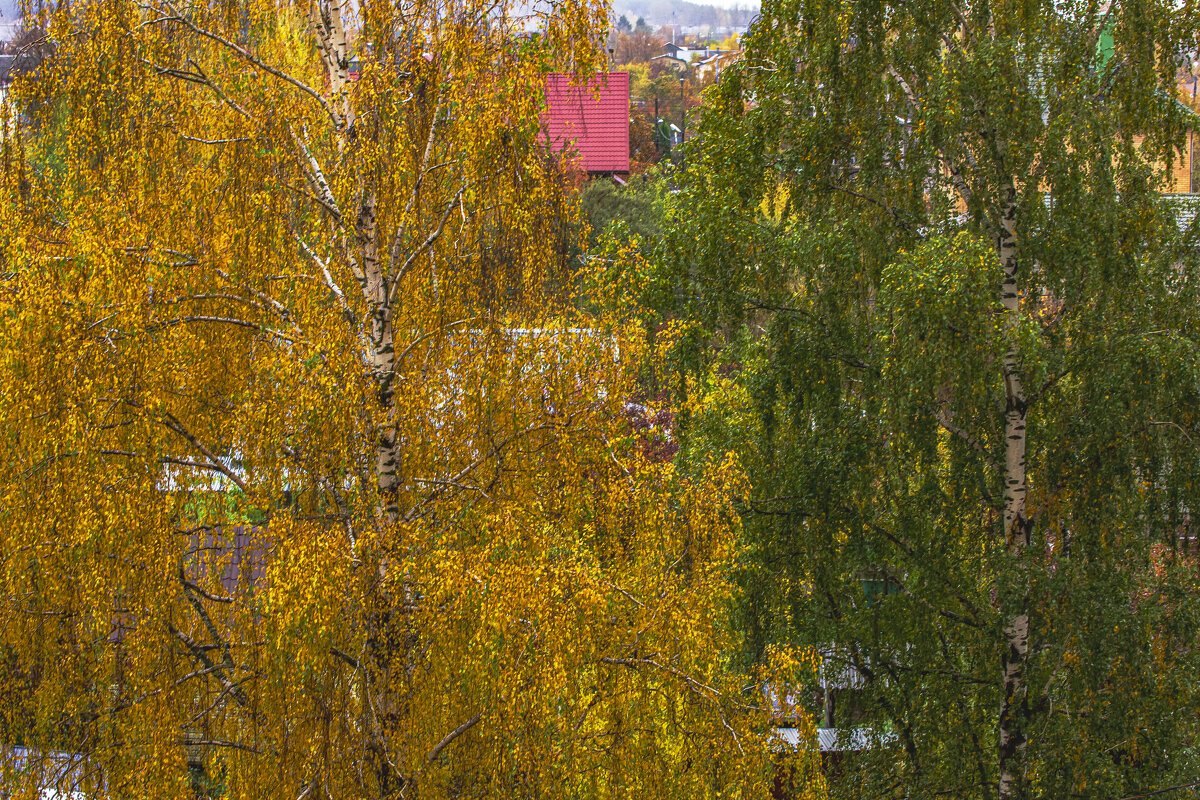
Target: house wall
[[1182, 179]]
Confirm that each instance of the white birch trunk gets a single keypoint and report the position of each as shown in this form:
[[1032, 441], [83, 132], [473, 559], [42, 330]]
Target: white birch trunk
[[327, 21], [1014, 705], [361, 251], [382, 357]]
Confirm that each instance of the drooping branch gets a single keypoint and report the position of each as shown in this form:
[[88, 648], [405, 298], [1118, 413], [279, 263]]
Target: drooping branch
[[1156, 792], [910, 551], [199, 77], [453, 480], [427, 336], [240, 323], [278, 308], [699, 689], [176, 16]]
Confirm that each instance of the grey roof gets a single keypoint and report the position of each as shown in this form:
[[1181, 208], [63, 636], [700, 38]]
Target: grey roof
[[58, 774], [838, 670], [833, 740], [1185, 205]]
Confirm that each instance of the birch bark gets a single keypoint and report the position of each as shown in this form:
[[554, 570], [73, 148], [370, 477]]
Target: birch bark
[[379, 360], [1014, 705]]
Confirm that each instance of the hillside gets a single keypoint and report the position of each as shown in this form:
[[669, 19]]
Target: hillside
[[680, 12]]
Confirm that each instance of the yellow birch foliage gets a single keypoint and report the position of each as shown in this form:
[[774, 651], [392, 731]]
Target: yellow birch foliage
[[313, 487]]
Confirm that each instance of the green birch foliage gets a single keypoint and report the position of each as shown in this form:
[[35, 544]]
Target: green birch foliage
[[951, 328]]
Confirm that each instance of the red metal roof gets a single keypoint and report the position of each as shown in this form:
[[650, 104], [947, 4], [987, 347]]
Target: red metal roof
[[591, 119]]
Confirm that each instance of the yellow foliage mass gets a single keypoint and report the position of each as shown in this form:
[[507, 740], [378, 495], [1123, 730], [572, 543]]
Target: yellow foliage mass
[[313, 489]]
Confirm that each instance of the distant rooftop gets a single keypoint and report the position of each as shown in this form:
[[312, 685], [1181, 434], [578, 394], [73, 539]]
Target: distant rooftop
[[832, 740], [591, 120], [10, 20]]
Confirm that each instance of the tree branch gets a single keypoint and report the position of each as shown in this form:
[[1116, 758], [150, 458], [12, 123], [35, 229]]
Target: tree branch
[[215, 598], [241, 323], [451, 736], [200, 654], [249, 57], [174, 424], [445, 483], [1162, 791], [344, 656], [976, 445], [425, 245]]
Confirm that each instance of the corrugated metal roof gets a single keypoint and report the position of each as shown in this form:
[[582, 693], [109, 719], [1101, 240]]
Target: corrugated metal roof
[[833, 740], [1185, 207], [591, 120]]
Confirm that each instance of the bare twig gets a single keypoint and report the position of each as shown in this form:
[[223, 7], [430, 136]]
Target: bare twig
[[700, 689]]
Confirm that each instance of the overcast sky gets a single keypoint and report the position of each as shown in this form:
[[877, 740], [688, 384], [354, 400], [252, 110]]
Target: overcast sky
[[9, 9]]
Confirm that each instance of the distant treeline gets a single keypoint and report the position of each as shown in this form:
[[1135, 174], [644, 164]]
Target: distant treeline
[[674, 12]]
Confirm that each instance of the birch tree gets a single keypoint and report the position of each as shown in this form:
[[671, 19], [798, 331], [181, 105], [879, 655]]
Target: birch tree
[[316, 486], [928, 241]]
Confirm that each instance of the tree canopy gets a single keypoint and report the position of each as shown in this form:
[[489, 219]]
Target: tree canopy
[[939, 306], [316, 486]]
